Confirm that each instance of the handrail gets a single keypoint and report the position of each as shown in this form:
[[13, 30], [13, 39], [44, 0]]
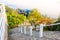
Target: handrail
[[52, 24], [3, 26]]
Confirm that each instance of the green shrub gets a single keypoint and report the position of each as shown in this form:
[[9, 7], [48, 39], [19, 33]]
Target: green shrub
[[15, 19], [58, 28], [50, 28]]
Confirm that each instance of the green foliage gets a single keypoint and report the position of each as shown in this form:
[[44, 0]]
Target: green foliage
[[0, 4], [58, 28], [15, 19], [8, 9], [34, 15]]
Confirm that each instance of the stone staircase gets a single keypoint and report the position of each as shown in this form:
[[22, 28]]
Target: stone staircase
[[14, 34]]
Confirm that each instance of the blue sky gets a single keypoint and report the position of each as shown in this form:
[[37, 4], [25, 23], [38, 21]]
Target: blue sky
[[48, 7]]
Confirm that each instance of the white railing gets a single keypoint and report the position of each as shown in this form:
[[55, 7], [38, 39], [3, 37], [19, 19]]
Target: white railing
[[23, 29], [2, 21], [52, 24], [31, 27]]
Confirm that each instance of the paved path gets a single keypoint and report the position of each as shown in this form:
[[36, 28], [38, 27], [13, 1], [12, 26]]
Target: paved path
[[48, 35]]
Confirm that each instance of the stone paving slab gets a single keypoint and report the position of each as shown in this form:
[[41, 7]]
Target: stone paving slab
[[15, 34]]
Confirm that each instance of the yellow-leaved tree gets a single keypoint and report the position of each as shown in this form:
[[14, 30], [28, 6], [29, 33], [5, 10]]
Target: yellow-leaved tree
[[34, 16]]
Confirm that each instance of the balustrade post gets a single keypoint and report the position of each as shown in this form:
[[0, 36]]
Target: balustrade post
[[41, 30], [24, 29], [21, 29], [30, 30]]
